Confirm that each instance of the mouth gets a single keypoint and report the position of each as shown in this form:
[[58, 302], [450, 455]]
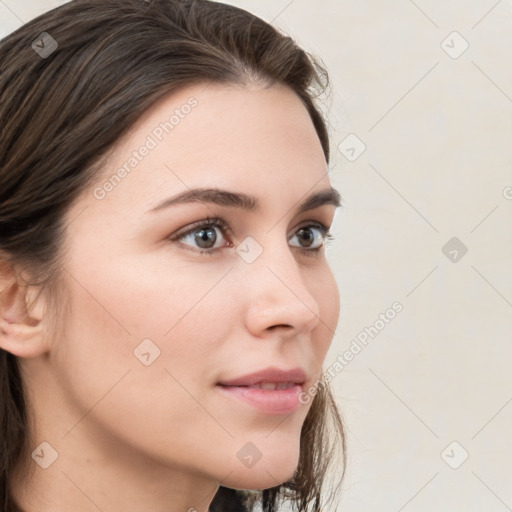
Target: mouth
[[270, 391], [268, 399], [270, 386]]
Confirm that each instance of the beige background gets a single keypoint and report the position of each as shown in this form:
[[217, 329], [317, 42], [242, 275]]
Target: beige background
[[437, 130]]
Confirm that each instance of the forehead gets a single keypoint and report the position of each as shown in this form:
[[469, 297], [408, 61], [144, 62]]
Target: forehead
[[251, 138]]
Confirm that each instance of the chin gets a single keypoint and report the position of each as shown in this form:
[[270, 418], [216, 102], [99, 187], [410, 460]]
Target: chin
[[270, 471]]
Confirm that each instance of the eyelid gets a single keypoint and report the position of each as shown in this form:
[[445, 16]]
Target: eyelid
[[206, 222], [313, 223]]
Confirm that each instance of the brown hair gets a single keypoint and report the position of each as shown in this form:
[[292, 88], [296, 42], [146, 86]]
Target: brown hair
[[61, 114]]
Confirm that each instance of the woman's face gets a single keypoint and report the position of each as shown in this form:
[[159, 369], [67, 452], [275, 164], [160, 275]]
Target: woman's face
[[155, 325]]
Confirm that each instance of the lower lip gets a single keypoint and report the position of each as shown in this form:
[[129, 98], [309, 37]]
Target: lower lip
[[269, 401]]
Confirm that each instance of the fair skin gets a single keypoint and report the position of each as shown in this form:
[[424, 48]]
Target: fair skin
[[162, 437]]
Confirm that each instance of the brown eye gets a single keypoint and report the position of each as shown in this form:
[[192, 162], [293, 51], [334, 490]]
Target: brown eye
[[203, 236], [311, 237], [307, 236]]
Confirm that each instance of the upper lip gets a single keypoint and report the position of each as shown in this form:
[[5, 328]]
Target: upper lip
[[295, 375]]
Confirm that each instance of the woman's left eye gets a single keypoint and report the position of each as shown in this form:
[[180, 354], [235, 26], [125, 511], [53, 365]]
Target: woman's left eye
[[203, 236], [313, 235]]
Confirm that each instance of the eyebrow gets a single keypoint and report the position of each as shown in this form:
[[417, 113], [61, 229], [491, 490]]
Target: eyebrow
[[328, 196]]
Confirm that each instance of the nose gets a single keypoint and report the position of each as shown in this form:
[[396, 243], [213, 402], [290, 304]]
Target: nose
[[278, 296]]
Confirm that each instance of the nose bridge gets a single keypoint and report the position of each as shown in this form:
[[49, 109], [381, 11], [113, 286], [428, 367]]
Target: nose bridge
[[278, 294]]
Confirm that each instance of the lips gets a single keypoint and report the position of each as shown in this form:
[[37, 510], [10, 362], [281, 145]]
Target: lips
[[267, 377], [270, 391], [271, 385]]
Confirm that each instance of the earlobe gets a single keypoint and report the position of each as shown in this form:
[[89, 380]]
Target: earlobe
[[22, 340], [21, 317]]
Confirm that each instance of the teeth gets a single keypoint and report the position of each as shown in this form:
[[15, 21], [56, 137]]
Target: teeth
[[272, 385]]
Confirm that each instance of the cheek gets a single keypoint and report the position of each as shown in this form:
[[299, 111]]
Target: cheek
[[325, 290], [139, 346], [128, 316], [135, 300]]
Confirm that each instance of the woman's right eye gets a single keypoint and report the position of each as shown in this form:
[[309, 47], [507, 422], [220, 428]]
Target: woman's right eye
[[203, 235]]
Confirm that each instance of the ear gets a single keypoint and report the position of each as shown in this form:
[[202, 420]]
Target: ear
[[21, 316]]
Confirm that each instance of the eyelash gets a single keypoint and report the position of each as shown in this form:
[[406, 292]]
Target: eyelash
[[221, 224]]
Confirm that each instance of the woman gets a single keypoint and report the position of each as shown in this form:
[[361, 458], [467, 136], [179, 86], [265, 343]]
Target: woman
[[165, 300]]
